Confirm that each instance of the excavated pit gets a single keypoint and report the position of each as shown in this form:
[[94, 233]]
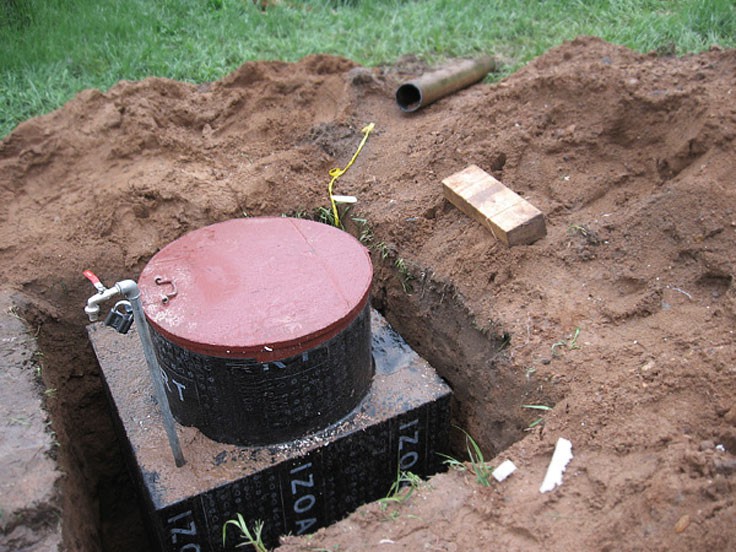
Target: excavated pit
[[107, 511]]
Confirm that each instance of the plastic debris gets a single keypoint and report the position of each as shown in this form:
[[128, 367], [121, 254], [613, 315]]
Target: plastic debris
[[560, 458], [344, 199], [505, 468]]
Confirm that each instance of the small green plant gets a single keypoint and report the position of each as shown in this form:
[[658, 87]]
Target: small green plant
[[325, 215], [404, 275], [453, 463], [383, 250], [401, 489], [13, 311], [570, 343], [537, 406], [539, 420], [298, 214], [589, 235], [480, 468], [37, 363], [578, 229], [320, 214], [366, 232], [253, 538]]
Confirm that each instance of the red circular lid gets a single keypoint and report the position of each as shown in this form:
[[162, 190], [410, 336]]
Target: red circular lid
[[263, 288]]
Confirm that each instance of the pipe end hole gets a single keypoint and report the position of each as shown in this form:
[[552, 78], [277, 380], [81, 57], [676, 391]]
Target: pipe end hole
[[409, 97]]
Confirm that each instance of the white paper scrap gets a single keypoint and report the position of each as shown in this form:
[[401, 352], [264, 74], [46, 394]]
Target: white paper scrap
[[503, 470], [344, 199], [560, 458]]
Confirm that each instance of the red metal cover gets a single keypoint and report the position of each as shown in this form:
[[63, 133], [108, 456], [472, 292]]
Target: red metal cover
[[263, 288]]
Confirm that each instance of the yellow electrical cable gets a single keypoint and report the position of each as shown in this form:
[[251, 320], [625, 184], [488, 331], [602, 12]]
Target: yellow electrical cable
[[338, 172]]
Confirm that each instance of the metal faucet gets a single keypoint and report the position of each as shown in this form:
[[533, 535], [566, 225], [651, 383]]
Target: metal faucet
[[129, 289]]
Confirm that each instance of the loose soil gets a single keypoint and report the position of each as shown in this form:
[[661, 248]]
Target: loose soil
[[621, 318]]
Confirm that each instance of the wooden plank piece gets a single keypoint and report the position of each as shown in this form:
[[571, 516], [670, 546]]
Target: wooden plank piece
[[509, 217]]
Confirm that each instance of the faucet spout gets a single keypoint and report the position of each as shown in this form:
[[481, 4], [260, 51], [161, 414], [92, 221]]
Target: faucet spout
[[93, 303]]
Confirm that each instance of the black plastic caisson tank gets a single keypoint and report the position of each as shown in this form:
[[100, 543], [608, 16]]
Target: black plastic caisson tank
[[261, 327]]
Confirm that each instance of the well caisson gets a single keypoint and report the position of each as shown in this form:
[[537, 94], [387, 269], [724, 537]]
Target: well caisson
[[261, 327], [296, 402]]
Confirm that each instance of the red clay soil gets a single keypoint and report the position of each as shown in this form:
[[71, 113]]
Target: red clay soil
[[621, 318]]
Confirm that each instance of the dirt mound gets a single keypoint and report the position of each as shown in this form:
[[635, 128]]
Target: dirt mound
[[622, 317]]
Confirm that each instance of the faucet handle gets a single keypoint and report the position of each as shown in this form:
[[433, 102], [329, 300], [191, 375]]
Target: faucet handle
[[93, 308], [92, 277]]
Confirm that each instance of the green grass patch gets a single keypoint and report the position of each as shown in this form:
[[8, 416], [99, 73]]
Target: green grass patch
[[401, 489], [249, 537], [52, 49], [478, 465]]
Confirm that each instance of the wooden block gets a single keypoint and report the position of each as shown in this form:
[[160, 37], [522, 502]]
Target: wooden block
[[509, 217]]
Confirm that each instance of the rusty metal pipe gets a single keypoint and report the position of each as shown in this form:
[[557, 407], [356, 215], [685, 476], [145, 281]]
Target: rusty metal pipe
[[426, 89]]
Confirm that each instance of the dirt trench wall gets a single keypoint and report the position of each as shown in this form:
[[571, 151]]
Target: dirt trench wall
[[475, 361], [30, 480]]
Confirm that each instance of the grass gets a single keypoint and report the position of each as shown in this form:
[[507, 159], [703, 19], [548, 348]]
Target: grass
[[252, 538], [570, 343], [540, 420], [326, 215], [405, 275], [478, 466], [52, 49], [365, 233], [401, 489]]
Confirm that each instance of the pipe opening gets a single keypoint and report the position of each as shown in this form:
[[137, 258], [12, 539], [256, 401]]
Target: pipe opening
[[409, 97]]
